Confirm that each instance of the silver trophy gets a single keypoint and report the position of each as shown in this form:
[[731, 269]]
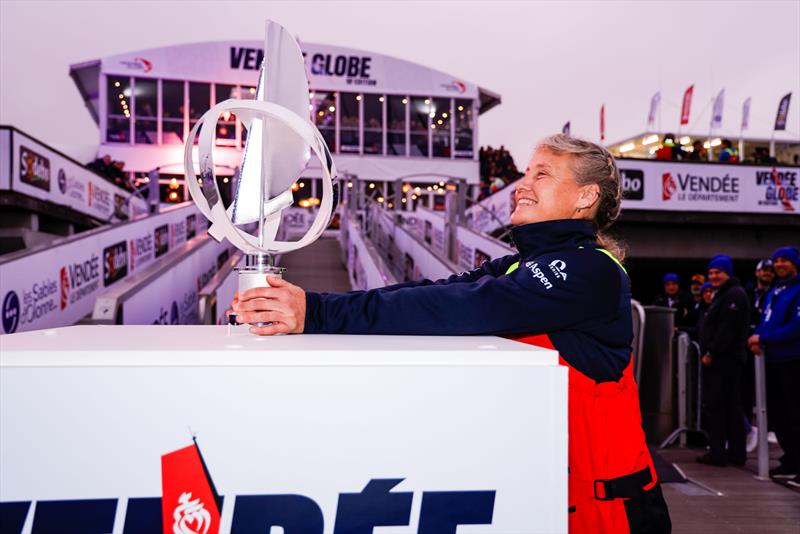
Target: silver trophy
[[279, 144]]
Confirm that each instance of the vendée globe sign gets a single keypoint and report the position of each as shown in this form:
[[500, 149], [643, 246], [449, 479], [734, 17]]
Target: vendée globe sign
[[280, 141]]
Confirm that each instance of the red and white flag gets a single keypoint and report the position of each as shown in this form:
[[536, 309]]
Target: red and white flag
[[603, 122], [687, 105], [189, 502]]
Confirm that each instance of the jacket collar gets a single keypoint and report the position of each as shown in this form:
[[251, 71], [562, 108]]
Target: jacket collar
[[788, 281], [535, 239]]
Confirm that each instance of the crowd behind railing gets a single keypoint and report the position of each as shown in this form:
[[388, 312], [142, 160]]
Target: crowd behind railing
[[733, 324], [113, 171], [497, 170], [728, 153]]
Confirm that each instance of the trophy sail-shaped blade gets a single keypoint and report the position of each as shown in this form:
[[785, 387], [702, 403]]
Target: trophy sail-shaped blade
[[281, 152]]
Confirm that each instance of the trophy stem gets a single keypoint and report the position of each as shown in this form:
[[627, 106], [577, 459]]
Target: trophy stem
[[255, 271]]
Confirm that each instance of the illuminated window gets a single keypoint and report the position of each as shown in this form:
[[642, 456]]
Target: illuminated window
[[373, 124], [226, 126], [464, 129], [323, 110], [118, 109], [146, 104], [172, 108], [419, 113], [199, 101], [442, 118], [396, 123], [246, 93], [349, 136]]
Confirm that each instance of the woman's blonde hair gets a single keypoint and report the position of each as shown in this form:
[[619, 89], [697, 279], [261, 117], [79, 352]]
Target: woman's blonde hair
[[593, 164]]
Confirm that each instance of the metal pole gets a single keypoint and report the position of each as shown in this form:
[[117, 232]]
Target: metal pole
[[761, 416]]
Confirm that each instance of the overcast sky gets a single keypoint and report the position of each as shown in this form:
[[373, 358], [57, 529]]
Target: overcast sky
[[551, 62]]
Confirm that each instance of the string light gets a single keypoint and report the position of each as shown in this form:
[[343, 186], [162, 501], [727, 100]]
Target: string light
[[444, 114], [427, 101], [116, 84], [380, 99], [358, 98], [460, 108], [331, 109], [405, 101]]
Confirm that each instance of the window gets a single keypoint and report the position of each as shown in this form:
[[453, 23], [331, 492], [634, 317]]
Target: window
[[199, 101], [172, 109], [146, 121], [441, 118], [464, 135], [349, 136], [226, 125], [373, 124], [420, 110], [396, 121], [324, 111], [246, 93], [118, 97]]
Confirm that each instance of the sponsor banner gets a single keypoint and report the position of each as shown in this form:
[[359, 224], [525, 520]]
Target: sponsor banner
[[669, 186], [654, 103], [783, 112], [746, 114], [654, 185], [365, 268], [58, 285], [603, 122], [331, 68], [716, 113], [43, 173], [405, 472], [427, 226], [686, 107], [172, 297], [492, 212], [474, 249]]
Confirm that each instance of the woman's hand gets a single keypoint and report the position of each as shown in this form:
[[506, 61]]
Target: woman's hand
[[282, 304]]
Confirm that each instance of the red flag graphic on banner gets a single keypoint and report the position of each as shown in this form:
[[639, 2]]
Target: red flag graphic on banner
[[687, 105], [603, 122], [188, 501]]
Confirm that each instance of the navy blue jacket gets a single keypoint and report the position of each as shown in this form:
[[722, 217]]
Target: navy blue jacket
[[779, 330], [563, 287]]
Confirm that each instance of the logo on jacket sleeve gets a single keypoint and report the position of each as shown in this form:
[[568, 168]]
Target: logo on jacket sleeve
[[538, 274], [559, 269]]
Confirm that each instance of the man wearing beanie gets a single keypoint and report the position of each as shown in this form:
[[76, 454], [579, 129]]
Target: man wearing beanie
[[672, 297], [723, 343], [779, 335]]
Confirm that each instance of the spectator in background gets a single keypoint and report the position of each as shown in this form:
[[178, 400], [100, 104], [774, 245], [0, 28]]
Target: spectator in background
[[728, 153], [764, 278], [698, 153], [672, 297], [669, 150], [779, 334], [723, 344], [497, 170], [694, 307], [101, 166]]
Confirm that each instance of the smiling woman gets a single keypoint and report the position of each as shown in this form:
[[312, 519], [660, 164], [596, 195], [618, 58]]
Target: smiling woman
[[565, 289]]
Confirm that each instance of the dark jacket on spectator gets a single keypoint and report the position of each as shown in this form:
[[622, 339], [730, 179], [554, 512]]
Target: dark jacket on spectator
[[724, 328], [780, 325], [680, 303]]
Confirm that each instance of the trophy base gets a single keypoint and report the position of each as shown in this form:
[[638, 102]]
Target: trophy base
[[254, 274]]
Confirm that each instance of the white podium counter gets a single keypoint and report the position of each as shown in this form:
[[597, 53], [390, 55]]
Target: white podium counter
[[404, 434]]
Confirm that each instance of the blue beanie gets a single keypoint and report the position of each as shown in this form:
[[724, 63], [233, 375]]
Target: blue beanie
[[706, 285], [787, 253], [722, 262], [671, 277]]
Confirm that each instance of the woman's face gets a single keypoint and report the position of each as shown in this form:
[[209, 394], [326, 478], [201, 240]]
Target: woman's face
[[548, 191]]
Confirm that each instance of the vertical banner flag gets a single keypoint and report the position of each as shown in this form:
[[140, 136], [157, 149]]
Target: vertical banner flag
[[603, 122], [566, 128], [746, 114], [687, 105], [189, 501], [783, 112], [654, 102], [716, 113]]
